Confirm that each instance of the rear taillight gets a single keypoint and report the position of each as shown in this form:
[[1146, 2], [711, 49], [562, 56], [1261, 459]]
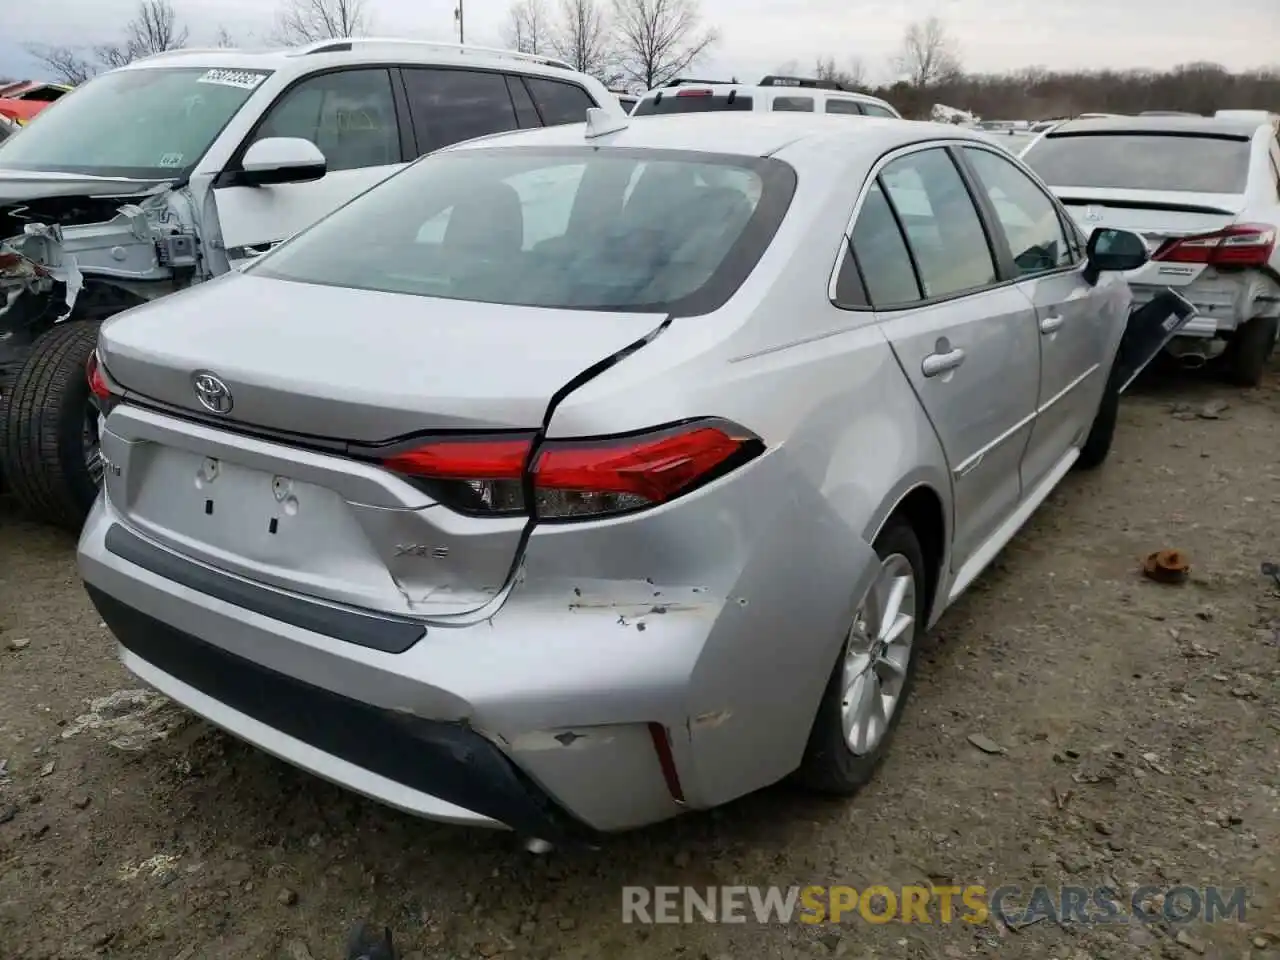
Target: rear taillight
[[691, 92], [1240, 245], [99, 384], [575, 479]]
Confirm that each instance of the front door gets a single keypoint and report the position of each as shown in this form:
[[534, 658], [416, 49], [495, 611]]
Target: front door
[[968, 344], [1071, 318], [351, 116]]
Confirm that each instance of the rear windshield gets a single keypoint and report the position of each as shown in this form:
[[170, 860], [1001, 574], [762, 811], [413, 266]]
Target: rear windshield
[[572, 227], [1135, 161], [689, 102]]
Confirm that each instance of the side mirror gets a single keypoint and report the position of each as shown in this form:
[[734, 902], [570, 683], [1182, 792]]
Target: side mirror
[[281, 160], [1113, 250]]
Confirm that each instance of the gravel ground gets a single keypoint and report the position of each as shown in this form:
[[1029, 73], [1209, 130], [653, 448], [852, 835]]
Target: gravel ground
[[1137, 722]]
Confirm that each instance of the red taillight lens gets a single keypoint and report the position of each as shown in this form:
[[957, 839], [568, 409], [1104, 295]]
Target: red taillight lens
[[99, 385], [690, 92], [1240, 245], [575, 479]]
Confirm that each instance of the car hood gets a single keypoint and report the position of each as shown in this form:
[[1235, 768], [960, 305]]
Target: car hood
[[21, 186]]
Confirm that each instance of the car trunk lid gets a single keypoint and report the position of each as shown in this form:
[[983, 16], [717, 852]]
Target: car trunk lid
[[1157, 216], [286, 488]]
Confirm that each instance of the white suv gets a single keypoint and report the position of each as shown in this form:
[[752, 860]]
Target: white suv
[[1204, 192], [778, 94], [180, 167]]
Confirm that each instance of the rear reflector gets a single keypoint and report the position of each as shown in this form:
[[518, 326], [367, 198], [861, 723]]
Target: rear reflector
[[575, 479], [99, 385], [1240, 245], [689, 92]]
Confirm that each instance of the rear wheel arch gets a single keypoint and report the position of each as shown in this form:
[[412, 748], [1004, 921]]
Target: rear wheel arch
[[921, 508]]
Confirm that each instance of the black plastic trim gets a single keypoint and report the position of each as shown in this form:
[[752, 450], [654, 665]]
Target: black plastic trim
[[386, 634], [447, 760]]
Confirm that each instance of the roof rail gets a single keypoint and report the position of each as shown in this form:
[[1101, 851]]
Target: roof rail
[[690, 81], [811, 82], [342, 45], [182, 52]]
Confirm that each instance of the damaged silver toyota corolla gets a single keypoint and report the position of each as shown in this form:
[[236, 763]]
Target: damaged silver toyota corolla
[[180, 168]]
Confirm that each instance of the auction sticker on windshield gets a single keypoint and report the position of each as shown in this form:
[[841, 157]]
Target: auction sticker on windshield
[[244, 79]]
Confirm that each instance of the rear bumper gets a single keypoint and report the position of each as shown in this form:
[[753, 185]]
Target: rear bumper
[[442, 771]]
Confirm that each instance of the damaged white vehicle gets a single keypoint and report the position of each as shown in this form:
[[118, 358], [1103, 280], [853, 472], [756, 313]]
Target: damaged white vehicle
[[1204, 193], [177, 169]]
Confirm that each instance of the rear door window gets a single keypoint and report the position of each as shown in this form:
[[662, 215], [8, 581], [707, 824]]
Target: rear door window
[[689, 102], [453, 105], [1140, 161], [844, 106], [882, 254], [559, 102], [942, 225]]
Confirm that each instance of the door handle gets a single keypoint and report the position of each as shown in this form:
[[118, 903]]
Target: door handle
[[939, 363], [1051, 324]]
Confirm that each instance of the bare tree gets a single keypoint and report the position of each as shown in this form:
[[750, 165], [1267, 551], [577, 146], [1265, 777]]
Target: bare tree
[[928, 55], [528, 27], [153, 30], [581, 37], [306, 21], [852, 76], [64, 63], [659, 39], [223, 38]]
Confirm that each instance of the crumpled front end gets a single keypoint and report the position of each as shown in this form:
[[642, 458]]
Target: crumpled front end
[[143, 245]]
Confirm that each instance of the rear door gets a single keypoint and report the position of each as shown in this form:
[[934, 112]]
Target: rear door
[[968, 344], [1075, 334], [351, 115]]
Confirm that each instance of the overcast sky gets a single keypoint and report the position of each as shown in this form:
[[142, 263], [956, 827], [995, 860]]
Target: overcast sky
[[756, 36]]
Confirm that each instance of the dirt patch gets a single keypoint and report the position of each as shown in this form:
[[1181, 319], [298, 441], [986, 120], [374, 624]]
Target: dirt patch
[[1134, 728]]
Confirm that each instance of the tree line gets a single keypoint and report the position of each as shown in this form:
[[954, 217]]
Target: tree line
[[641, 44]]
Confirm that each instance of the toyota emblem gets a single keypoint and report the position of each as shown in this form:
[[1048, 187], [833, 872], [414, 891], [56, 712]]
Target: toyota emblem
[[212, 393]]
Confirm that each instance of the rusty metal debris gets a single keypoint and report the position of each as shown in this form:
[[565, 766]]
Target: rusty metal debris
[[1167, 566]]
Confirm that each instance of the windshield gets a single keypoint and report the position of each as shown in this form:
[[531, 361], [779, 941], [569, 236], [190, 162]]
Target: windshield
[[1137, 161], [145, 124], [574, 228]]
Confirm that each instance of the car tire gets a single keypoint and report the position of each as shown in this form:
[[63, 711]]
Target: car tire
[[43, 451], [830, 765], [1103, 429], [1249, 350]]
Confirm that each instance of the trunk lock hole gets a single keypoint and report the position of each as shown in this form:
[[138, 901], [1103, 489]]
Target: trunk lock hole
[[282, 489]]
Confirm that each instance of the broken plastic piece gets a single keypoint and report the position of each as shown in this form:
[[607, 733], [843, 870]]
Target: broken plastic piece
[[1167, 566]]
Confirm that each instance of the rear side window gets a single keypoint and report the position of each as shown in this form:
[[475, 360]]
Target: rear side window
[[570, 228], [1138, 161], [559, 102], [875, 110], [689, 102], [793, 104], [882, 253], [942, 225], [453, 105], [843, 106]]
